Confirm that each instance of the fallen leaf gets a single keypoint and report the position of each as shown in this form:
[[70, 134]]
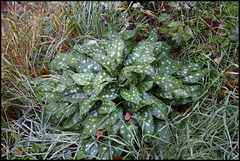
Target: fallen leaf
[[11, 116], [99, 133], [182, 108], [177, 49], [100, 139], [127, 116], [117, 158], [210, 24], [138, 39]]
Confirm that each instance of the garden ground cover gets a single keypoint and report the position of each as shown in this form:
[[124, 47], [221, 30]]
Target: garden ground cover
[[33, 33]]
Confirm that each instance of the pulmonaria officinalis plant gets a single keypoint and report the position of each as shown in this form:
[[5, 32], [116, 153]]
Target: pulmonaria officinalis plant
[[100, 86]]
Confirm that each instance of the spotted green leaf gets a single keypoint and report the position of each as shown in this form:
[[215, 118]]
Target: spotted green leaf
[[145, 86], [73, 122], [81, 154], [89, 42], [89, 49], [59, 62], [188, 68], [163, 94], [116, 115], [107, 95], [194, 90], [89, 83], [104, 122], [86, 64], [129, 46], [111, 122], [47, 97], [70, 90], [93, 112], [98, 87], [102, 76], [104, 44], [131, 95], [107, 62], [166, 65], [75, 98], [72, 58], [83, 78], [174, 94], [159, 109], [145, 98], [66, 78], [115, 50], [127, 131], [180, 93], [162, 131], [110, 91], [44, 91], [83, 63], [145, 120], [167, 82], [144, 59], [161, 49], [86, 105], [48, 110], [58, 112], [64, 110], [83, 49], [128, 34], [91, 147], [153, 35], [106, 107], [104, 151], [143, 69], [111, 32], [90, 126], [143, 48], [195, 76], [113, 130], [132, 78], [60, 87], [132, 107], [89, 89], [101, 79], [179, 102], [114, 55]]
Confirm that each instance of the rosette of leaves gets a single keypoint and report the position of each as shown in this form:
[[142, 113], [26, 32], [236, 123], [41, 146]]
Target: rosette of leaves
[[94, 85]]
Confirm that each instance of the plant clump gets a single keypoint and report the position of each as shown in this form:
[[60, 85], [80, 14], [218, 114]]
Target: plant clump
[[101, 86]]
